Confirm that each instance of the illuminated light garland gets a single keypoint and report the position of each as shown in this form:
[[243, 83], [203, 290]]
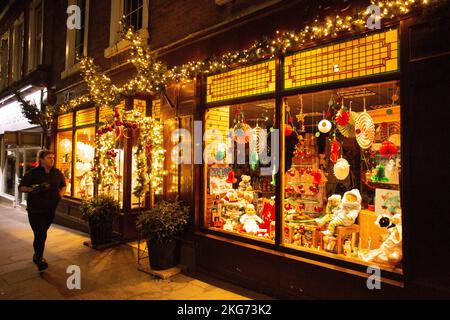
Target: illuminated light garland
[[153, 75], [149, 154]]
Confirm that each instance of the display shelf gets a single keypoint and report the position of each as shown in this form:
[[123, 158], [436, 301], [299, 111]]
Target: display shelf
[[384, 185], [298, 183], [306, 201]]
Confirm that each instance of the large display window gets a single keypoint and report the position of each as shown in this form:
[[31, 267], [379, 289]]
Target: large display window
[[239, 179], [64, 157], [84, 158], [341, 181]]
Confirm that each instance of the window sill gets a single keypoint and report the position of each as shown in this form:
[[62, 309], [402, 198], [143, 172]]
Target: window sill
[[124, 45], [70, 71]]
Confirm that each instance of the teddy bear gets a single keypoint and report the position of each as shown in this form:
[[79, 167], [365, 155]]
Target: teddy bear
[[250, 220], [333, 203], [346, 213], [231, 196], [245, 183]]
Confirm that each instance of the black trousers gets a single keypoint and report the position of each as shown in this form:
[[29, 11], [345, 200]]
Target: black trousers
[[40, 221]]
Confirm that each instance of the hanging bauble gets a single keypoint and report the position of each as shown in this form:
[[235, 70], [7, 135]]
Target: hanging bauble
[[242, 133], [288, 130], [341, 169], [343, 117], [364, 130], [231, 178], [334, 154], [388, 149], [324, 126], [348, 130], [254, 161]]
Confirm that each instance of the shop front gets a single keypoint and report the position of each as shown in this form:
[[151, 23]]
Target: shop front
[[20, 143], [306, 187]]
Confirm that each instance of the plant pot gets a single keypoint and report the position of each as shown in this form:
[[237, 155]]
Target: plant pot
[[162, 255], [101, 232]]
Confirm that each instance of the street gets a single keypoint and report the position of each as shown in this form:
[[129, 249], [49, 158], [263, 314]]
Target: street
[[105, 275]]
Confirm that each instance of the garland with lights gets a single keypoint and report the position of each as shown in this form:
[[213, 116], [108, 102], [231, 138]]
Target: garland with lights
[[149, 152]]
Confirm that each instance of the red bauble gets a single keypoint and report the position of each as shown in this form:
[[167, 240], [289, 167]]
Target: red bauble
[[388, 149], [288, 130], [342, 118]]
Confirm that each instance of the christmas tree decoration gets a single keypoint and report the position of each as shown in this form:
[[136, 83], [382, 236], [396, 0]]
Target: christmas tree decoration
[[343, 117], [259, 139], [324, 126], [288, 130], [341, 169], [364, 129], [231, 178], [388, 149], [254, 160], [242, 133]]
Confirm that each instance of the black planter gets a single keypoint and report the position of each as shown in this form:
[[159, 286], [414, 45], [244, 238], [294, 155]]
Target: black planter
[[101, 232], [162, 255]]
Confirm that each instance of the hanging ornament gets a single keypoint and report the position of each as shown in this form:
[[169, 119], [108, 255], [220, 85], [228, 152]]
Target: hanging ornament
[[301, 116], [334, 154], [364, 129], [341, 169], [343, 116], [288, 130], [348, 130], [388, 149], [231, 178], [220, 152], [242, 133], [259, 138], [254, 161], [324, 126]]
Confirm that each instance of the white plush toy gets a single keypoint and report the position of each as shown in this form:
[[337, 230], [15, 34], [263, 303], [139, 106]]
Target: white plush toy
[[390, 251], [250, 220]]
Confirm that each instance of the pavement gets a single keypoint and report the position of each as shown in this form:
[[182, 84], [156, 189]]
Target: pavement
[[110, 274]]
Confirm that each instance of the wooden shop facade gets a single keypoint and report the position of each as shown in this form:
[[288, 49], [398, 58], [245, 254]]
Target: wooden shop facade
[[358, 117]]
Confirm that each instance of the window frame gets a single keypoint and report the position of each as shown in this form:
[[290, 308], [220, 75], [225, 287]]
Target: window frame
[[35, 42], [18, 49], [116, 44], [71, 65]]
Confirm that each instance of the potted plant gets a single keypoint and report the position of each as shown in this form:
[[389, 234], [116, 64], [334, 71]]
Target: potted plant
[[100, 212], [159, 226]]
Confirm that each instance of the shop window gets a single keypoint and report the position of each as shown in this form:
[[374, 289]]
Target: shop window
[[371, 55], [85, 117], [252, 80], [36, 34], [140, 105], [239, 184], [156, 109], [65, 121], [84, 157], [107, 115], [341, 182], [64, 157], [133, 13]]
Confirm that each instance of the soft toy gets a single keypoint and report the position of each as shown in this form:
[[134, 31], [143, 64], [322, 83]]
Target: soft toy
[[333, 203], [390, 251], [268, 214], [248, 194], [346, 213], [231, 196], [245, 183], [250, 220]]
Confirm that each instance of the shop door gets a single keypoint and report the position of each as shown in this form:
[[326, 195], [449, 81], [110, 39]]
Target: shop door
[[27, 159]]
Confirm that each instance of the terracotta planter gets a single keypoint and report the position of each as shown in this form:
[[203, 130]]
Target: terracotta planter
[[162, 255], [101, 232]]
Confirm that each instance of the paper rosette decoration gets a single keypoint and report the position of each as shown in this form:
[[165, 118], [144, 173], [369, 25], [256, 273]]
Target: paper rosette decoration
[[259, 139], [341, 169], [364, 130], [348, 130]]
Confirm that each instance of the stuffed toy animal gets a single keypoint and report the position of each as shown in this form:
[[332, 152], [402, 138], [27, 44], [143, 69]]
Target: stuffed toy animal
[[332, 205], [390, 251], [346, 213], [250, 220]]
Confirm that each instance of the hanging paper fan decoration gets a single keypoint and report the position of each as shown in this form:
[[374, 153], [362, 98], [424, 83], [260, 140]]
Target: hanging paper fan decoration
[[388, 149], [324, 126], [348, 130], [364, 130], [343, 117], [259, 136], [334, 154], [341, 169], [242, 133]]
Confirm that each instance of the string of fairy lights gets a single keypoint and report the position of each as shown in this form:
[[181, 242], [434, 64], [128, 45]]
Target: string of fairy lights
[[153, 76]]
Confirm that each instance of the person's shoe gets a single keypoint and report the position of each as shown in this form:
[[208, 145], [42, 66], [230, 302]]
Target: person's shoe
[[34, 259], [42, 265]]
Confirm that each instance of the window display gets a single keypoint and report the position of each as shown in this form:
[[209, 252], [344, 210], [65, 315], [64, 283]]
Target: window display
[[64, 157], [342, 166], [84, 157], [240, 185]]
